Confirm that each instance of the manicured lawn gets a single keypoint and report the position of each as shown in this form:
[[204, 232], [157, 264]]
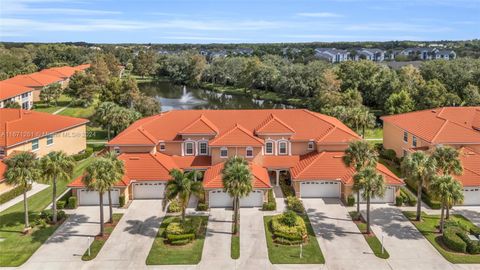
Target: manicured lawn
[[98, 243], [235, 247], [96, 134], [371, 239], [374, 133], [63, 101], [428, 227], [16, 248], [162, 253], [81, 112], [281, 254]]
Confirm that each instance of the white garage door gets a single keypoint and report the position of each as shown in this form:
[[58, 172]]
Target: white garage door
[[388, 198], [219, 198], [317, 189], [254, 199], [471, 196], [86, 197], [149, 190]]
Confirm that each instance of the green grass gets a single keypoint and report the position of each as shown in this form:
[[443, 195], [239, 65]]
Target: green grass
[[280, 254], [16, 248], [63, 101], [374, 133], [81, 112], [162, 253], [372, 239], [395, 169], [97, 244], [428, 227], [96, 134], [235, 247]]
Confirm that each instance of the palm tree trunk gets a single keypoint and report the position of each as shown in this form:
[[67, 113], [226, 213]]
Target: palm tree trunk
[[110, 208], [101, 213], [419, 201], [358, 204], [108, 132], [54, 201], [442, 223], [235, 214], [447, 216], [368, 213], [25, 208]]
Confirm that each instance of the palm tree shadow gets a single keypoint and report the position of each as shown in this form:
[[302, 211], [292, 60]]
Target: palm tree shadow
[[324, 227], [69, 229], [473, 216], [145, 227], [391, 219]]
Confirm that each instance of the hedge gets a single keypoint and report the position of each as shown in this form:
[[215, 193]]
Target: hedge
[[295, 204], [472, 247], [425, 197], [202, 207], [287, 190], [398, 200], [298, 231], [475, 231], [179, 237], [408, 198], [72, 202], [287, 242], [350, 200], [61, 205], [14, 192], [271, 205], [87, 153], [453, 241], [121, 200]]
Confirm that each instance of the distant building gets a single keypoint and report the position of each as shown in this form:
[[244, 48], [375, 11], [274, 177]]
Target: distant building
[[332, 55], [429, 53], [242, 51], [376, 55]]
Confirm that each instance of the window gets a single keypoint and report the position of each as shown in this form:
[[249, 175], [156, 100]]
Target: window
[[405, 136], [405, 153], [202, 148], [2, 152], [49, 139], [249, 152], [223, 152], [414, 141], [35, 145], [162, 147], [269, 148], [311, 145], [282, 148], [189, 148], [117, 150]]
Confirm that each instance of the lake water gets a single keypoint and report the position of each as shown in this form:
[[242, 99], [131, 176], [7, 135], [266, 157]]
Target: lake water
[[175, 97]]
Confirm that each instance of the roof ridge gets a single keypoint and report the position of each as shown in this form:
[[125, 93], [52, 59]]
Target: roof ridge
[[440, 130], [204, 120], [154, 156], [269, 119], [147, 134], [239, 127], [330, 131], [315, 157], [348, 130]]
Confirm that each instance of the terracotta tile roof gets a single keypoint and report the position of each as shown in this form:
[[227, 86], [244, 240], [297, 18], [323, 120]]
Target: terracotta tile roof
[[166, 126], [236, 136], [329, 166], [188, 162], [18, 126], [471, 167], [200, 126], [281, 162], [273, 125], [3, 169], [62, 72], [441, 125], [213, 177], [34, 80], [8, 90]]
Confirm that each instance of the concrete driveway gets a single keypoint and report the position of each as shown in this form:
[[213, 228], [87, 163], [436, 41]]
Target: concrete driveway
[[253, 245], [470, 212], [407, 247], [341, 242], [129, 244]]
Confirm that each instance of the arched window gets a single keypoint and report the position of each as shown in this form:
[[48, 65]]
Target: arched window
[[269, 147], [282, 147]]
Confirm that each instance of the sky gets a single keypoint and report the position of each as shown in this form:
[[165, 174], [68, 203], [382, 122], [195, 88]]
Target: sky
[[233, 21]]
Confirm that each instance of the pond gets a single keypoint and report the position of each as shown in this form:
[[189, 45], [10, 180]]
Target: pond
[[175, 97]]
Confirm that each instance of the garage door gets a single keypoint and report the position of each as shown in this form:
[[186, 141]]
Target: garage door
[[86, 197], [254, 199], [317, 189], [388, 198], [219, 198], [471, 196], [148, 190]]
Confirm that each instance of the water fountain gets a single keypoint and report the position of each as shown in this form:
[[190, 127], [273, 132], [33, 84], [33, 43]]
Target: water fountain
[[186, 97]]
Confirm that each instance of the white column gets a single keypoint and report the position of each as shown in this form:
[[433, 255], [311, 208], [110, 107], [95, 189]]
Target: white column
[[277, 177]]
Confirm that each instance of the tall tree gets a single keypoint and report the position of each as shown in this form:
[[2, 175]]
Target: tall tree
[[182, 186], [22, 170], [51, 93], [372, 184], [419, 168], [360, 155], [82, 88], [145, 63], [400, 102], [118, 170], [445, 188], [103, 115], [237, 182], [56, 166], [100, 70]]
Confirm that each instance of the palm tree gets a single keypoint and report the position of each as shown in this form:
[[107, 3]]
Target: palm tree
[[444, 187], [182, 186], [372, 184], [448, 162], [22, 170], [56, 166], [99, 176], [237, 182], [118, 172], [103, 115], [419, 168], [359, 155]]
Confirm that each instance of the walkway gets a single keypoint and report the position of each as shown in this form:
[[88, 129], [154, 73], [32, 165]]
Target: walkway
[[36, 187]]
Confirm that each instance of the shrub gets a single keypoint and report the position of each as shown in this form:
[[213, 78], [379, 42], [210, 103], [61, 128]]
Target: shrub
[[61, 205], [450, 223], [350, 200], [87, 153], [14, 192], [295, 204], [398, 201], [475, 230], [409, 198], [453, 241], [72, 202], [42, 223], [472, 246], [388, 154], [202, 207], [61, 215], [287, 190], [289, 218], [46, 215], [297, 231], [121, 200], [268, 206], [179, 237], [174, 206], [180, 242]]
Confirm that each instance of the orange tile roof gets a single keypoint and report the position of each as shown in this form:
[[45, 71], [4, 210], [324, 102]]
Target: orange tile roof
[[190, 162], [166, 126], [273, 125], [62, 72], [213, 177], [8, 90], [471, 168], [329, 166], [236, 136], [34, 80], [280, 162], [200, 126], [19, 126], [441, 125]]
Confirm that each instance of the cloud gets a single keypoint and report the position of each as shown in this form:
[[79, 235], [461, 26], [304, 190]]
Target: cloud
[[24, 7], [200, 38], [319, 14], [397, 27]]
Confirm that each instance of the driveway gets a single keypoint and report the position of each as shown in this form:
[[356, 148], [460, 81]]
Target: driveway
[[341, 242], [253, 245], [64, 249], [470, 212], [407, 247], [129, 244]]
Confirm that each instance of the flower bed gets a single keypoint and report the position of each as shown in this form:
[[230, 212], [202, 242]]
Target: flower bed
[[288, 229], [178, 233]]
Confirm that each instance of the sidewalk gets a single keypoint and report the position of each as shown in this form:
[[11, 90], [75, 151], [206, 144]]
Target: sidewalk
[[35, 189]]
